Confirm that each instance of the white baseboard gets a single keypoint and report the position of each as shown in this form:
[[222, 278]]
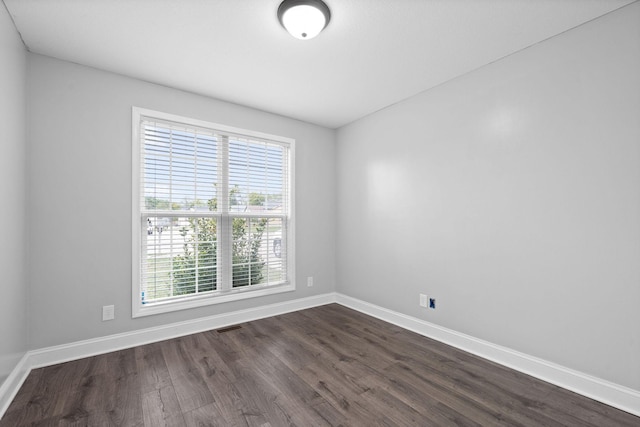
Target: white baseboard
[[612, 394], [9, 388], [77, 350], [598, 389]]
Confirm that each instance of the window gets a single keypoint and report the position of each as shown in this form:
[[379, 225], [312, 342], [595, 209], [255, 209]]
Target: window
[[212, 213]]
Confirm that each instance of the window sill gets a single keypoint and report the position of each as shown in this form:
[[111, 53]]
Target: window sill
[[201, 301]]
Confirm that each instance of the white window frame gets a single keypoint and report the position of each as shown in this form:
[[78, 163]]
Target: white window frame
[[138, 308]]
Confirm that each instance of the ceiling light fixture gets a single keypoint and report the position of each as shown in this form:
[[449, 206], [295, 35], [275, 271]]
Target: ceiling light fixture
[[304, 19]]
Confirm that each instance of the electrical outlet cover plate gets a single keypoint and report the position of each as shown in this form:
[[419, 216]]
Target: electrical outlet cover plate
[[423, 300], [108, 312]]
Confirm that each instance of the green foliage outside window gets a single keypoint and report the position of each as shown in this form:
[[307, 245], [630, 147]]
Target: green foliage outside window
[[199, 257]]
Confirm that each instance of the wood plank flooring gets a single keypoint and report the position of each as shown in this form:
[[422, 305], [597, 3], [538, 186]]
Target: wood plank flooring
[[325, 366]]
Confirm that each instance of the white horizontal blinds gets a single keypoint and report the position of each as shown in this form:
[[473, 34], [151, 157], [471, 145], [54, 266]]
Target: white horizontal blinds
[[214, 211], [179, 166], [257, 176], [181, 257], [259, 251], [273, 250], [178, 205], [258, 207]]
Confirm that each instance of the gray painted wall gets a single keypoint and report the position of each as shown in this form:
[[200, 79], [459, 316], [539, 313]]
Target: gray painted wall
[[512, 195], [13, 278], [80, 198]]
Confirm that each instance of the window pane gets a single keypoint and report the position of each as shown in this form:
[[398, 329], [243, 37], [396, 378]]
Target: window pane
[[180, 168], [256, 176], [181, 257], [258, 251]]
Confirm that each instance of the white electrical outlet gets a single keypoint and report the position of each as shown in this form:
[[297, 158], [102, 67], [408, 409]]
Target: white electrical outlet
[[423, 300], [108, 312], [310, 281]]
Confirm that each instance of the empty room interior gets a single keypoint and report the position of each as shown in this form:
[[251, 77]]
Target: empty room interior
[[306, 212]]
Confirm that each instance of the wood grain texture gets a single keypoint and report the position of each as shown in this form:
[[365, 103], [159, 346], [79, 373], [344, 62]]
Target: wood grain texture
[[325, 366]]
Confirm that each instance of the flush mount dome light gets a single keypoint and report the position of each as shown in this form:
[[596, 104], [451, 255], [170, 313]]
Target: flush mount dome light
[[304, 19]]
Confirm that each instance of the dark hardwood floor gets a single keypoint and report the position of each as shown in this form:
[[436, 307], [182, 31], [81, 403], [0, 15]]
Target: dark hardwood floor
[[324, 366]]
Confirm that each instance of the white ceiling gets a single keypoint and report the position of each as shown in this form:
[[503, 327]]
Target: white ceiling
[[372, 54]]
